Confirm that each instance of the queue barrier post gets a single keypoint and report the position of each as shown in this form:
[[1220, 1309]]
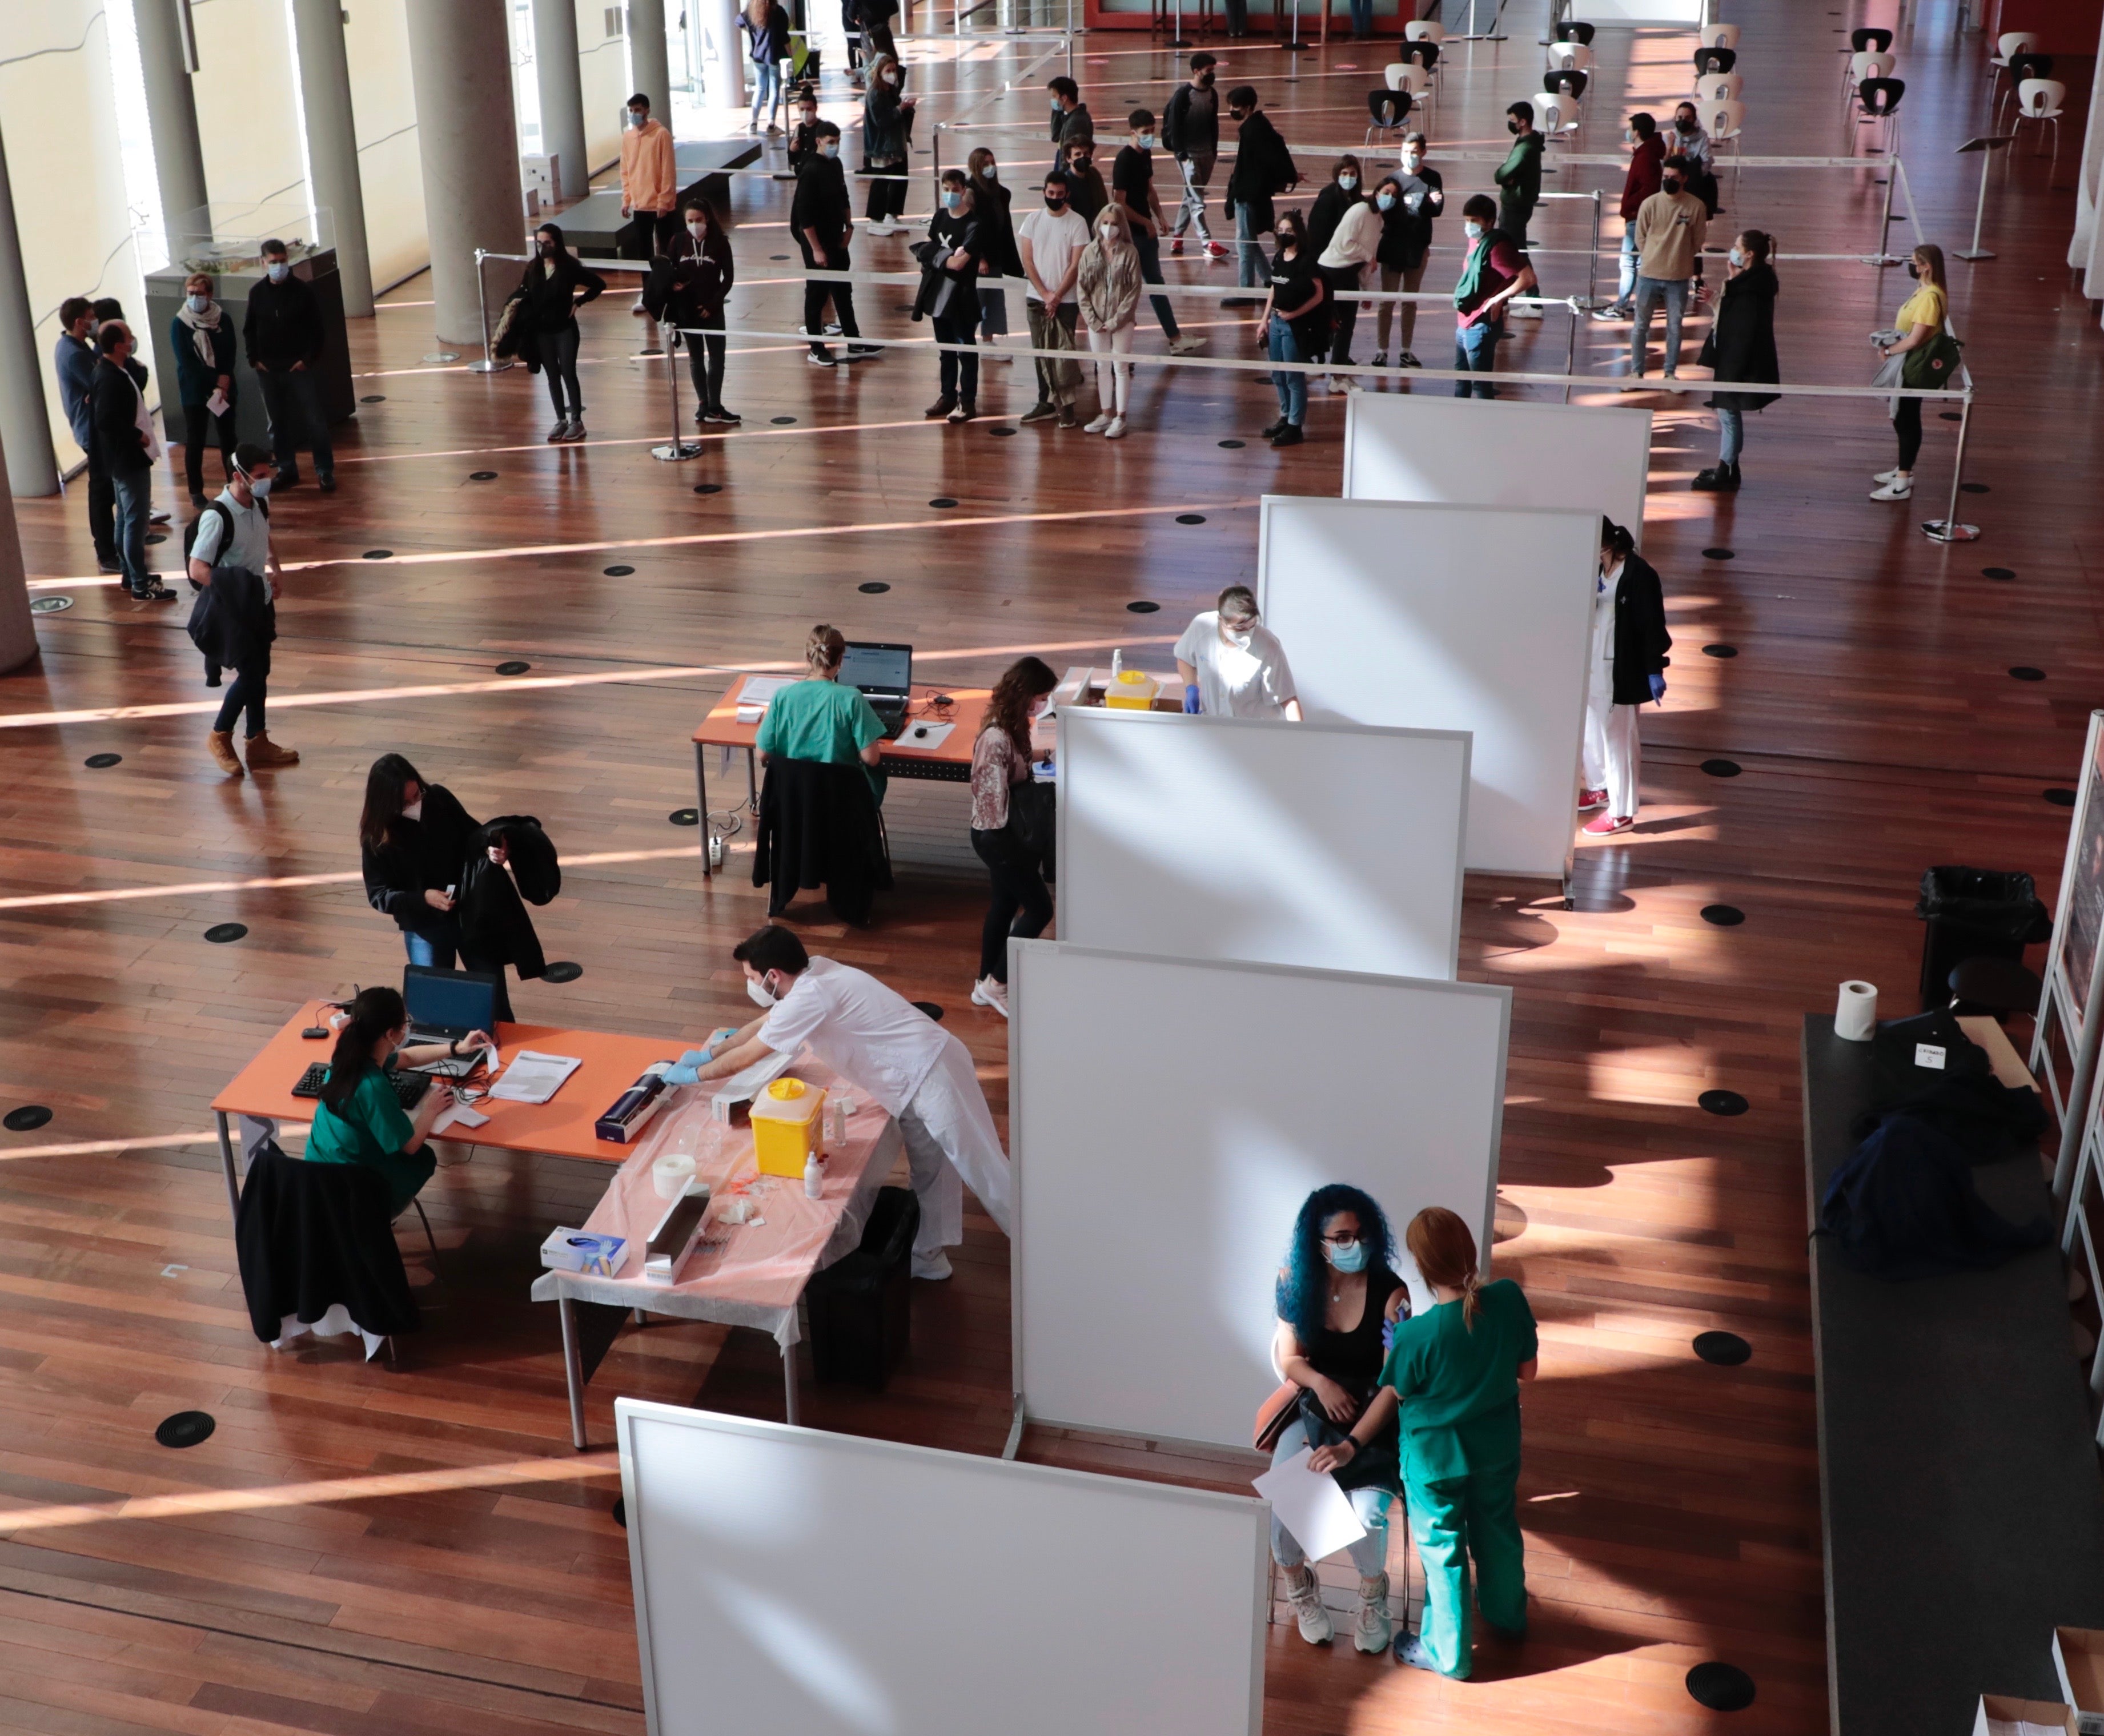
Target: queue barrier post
[[1947, 528], [488, 364]]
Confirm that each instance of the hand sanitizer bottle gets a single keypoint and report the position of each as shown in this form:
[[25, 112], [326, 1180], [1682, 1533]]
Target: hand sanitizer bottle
[[814, 1177]]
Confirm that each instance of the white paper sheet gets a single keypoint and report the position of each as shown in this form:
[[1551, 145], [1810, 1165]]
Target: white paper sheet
[[759, 689], [459, 1115], [217, 404], [1310, 1506], [924, 737], [534, 1077]]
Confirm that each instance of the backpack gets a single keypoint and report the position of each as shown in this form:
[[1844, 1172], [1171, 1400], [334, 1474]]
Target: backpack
[[218, 510]]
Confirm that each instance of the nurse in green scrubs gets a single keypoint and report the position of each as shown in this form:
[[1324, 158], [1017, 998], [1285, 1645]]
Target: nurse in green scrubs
[[817, 718], [360, 1120], [1454, 1373]]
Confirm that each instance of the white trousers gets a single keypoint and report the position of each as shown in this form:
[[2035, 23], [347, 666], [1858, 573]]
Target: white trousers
[[1113, 379], [950, 1141], [1613, 754]]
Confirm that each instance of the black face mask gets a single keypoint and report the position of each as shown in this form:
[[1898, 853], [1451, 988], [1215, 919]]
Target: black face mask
[[1684, 125], [1672, 184], [1913, 270], [1512, 127], [1204, 81], [1053, 204]]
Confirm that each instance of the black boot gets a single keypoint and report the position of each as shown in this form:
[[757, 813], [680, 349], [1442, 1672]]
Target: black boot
[[1712, 482]]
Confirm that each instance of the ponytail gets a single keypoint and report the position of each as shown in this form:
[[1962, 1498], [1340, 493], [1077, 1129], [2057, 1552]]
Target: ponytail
[[374, 1012], [1471, 1305]]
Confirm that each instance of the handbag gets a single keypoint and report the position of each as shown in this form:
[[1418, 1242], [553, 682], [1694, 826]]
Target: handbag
[[1273, 1416], [1033, 818], [1934, 364]]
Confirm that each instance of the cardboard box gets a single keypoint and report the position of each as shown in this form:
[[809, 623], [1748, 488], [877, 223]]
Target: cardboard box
[[2002, 1716], [2078, 1660]]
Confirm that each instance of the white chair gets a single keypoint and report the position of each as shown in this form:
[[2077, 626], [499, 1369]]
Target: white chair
[[1570, 57], [1718, 87], [1867, 65], [2039, 100], [1424, 30], [1555, 116], [1402, 75], [2008, 46], [1724, 122], [1719, 36]]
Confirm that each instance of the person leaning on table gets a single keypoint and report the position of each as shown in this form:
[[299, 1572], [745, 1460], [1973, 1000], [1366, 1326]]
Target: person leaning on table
[[1232, 666], [1453, 1376], [360, 1120], [878, 1042]]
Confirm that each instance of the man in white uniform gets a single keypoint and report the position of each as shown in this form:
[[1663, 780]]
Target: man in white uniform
[[1232, 666], [875, 1039]]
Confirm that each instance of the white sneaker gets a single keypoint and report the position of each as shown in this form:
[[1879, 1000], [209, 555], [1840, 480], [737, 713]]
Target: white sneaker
[[1886, 476], [1313, 1620], [1187, 344], [1375, 1628], [1526, 313], [1894, 490], [1098, 425], [1115, 431], [989, 991], [934, 1267]]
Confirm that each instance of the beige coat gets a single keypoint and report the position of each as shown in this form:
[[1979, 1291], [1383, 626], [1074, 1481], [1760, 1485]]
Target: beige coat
[[1670, 231], [1109, 285]]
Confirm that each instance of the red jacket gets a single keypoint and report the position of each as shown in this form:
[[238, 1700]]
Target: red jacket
[[1647, 170]]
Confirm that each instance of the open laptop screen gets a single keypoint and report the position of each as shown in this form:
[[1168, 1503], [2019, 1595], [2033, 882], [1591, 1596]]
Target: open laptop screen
[[884, 669], [453, 1001]]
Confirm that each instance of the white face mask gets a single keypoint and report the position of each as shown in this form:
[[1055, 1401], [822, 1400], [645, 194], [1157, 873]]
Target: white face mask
[[756, 989], [1475, 230], [829, 147], [1347, 181], [698, 230], [199, 304], [277, 271], [1739, 258], [413, 810], [1144, 140], [259, 485], [1412, 162]]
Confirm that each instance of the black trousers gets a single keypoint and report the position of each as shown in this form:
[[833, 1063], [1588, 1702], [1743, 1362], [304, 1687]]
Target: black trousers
[[648, 232], [1021, 906], [705, 368], [1906, 423], [1342, 280], [199, 429], [817, 294], [887, 192], [102, 506], [960, 368]]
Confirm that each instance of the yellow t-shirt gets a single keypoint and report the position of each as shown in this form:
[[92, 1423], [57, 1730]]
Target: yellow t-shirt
[[1925, 307]]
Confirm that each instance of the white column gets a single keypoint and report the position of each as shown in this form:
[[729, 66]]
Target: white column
[[467, 141], [561, 83], [18, 637], [2085, 252], [723, 57], [171, 116], [25, 428], [648, 65], [332, 143]]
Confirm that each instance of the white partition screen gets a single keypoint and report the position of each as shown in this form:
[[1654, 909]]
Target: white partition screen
[[1335, 846], [1456, 451], [1683, 14], [1448, 617], [790, 1580], [1168, 1118]]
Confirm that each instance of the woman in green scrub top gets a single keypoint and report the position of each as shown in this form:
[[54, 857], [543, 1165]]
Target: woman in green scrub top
[[817, 718], [360, 1120], [1455, 1372]]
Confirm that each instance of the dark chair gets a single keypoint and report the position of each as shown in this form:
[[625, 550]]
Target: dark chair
[[861, 1307], [1560, 83], [820, 826], [1425, 55], [1574, 30], [1387, 111], [1715, 60], [1996, 986], [1880, 97], [311, 1236], [1869, 36]]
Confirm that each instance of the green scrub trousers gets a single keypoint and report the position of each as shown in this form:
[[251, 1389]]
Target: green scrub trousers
[[1459, 1486]]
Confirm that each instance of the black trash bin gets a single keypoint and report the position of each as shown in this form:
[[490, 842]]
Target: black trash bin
[[861, 1307], [1974, 913]]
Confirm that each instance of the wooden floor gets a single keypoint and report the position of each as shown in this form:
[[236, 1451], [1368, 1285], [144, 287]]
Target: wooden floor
[[361, 1550]]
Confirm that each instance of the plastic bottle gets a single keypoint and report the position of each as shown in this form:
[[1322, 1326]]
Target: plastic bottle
[[814, 1177], [1117, 663]]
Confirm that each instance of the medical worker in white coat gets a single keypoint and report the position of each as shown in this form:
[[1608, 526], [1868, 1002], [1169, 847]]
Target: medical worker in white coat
[[1232, 664], [876, 1040]]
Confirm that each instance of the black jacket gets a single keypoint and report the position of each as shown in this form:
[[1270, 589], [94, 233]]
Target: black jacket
[[113, 408], [819, 826], [1325, 214], [233, 622], [1742, 345], [420, 856], [1262, 168], [1070, 124], [310, 1236], [1190, 123], [495, 929], [994, 206], [821, 203], [548, 288], [1641, 640], [283, 324], [1406, 236], [697, 280]]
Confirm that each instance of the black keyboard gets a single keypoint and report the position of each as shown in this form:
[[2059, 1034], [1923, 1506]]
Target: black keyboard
[[409, 1088]]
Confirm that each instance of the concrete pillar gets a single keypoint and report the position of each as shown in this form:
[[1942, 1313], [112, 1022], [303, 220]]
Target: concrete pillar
[[723, 52], [171, 116], [18, 637], [647, 62], [467, 138], [25, 428], [562, 94], [332, 143]]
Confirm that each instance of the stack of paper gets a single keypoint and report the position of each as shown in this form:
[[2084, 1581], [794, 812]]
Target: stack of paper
[[534, 1078], [753, 697]]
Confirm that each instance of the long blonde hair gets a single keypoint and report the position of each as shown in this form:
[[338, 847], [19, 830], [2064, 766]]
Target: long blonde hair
[[1445, 1251], [1119, 221]]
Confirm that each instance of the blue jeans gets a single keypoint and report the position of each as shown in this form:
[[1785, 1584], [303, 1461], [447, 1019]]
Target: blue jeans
[[293, 403], [1252, 270], [1370, 1554], [1362, 19], [1476, 352], [1731, 433], [766, 89], [1291, 384], [134, 490], [1651, 291], [1629, 264], [245, 693], [434, 949], [1150, 271]]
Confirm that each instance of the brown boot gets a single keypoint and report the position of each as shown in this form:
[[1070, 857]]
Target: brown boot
[[265, 756], [220, 745]]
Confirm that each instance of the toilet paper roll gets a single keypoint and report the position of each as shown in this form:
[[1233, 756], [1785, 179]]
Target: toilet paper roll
[[671, 1172], [1855, 1018]]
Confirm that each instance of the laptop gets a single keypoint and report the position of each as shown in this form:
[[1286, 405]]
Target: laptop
[[445, 1005], [884, 675]]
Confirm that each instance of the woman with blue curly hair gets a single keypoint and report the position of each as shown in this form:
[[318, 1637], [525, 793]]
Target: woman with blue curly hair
[[1337, 1292]]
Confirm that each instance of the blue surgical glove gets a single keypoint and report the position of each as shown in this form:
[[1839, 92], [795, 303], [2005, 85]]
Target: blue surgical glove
[[696, 1058], [1190, 699], [682, 1075], [1658, 689]]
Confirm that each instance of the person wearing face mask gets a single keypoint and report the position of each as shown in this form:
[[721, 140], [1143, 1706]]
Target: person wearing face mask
[[1647, 170], [821, 218], [1132, 186], [1670, 231], [1295, 327], [998, 258], [412, 837], [1630, 644], [1339, 1296], [1049, 242], [649, 186], [1741, 348], [950, 258], [1086, 191], [1919, 321], [1108, 279], [73, 362], [1191, 129], [1345, 189], [1344, 263], [123, 430], [1408, 201], [283, 332], [358, 1119], [1264, 169], [1001, 764], [880, 1042], [201, 339], [803, 136], [1493, 272], [234, 620], [1691, 141], [1450, 1388], [1232, 666], [551, 289], [1519, 177], [1072, 123], [885, 118], [702, 272], [765, 24]]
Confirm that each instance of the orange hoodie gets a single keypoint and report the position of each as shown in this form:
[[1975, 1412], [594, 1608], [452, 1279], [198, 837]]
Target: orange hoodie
[[649, 181]]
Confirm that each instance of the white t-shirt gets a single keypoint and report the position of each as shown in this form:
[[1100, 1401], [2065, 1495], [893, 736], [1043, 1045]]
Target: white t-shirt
[[249, 546], [1601, 675], [869, 1034], [1247, 678], [1055, 238]]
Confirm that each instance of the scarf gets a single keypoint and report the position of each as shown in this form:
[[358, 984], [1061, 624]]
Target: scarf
[[1472, 272], [201, 326]]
